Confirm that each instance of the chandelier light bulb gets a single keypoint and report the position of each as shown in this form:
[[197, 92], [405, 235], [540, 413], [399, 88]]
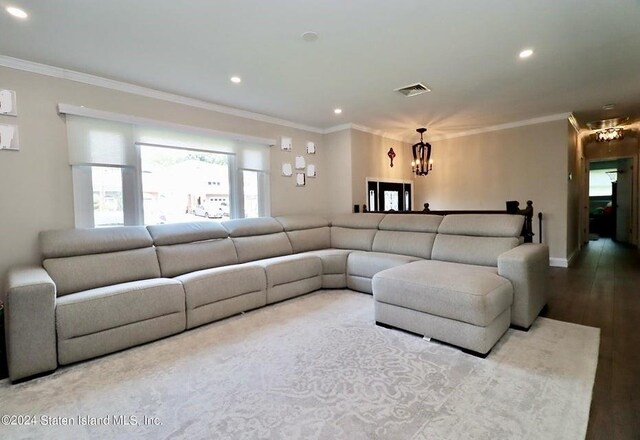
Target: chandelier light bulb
[[610, 134]]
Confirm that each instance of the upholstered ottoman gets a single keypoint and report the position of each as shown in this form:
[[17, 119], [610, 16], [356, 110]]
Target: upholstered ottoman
[[463, 305]]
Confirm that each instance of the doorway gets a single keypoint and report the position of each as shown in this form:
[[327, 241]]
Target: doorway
[[611, 195], [389, 195]]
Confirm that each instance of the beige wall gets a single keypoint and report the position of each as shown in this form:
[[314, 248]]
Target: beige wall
[[36, 181], [338, 169], [369, 159], [483, 171]]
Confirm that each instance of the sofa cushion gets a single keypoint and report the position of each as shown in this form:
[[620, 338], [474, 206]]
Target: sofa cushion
[[212, 285], [362, 266], [466, 293], [310, 239], [358, 221], [354, 231], [105, 308], [183, 258], [74, 242], [84, 272], [258, 238], [246, 227], [482, 225], [262, 246], [416, 244], [290, 268], [483, 251], [216, 293], [356, 239], [177, 233], [367, 264], [306, 232], [291, 276], [301, 222], [334, 261], [411, 222]]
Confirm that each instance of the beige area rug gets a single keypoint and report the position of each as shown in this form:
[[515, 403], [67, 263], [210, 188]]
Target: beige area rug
[[317, 367]]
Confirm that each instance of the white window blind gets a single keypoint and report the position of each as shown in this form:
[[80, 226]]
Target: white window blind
[[116, 141], [94, 141], [248, 155]]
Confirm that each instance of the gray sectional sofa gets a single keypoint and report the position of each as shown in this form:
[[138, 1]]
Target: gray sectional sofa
[[103, 290]]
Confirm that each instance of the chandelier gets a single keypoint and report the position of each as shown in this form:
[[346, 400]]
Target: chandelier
[[422, 162], [609, 134]]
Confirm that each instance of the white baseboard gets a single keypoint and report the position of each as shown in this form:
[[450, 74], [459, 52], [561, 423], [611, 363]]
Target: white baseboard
[[558, 262]]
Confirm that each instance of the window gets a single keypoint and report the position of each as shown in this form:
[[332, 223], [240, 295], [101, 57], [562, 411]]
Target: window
[[129, 174], [108, 206], [600, 182], [250, 180], [390, 200], [180, 185]]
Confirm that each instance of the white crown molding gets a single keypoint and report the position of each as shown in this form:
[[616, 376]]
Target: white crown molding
[[71, 75], [68, 109], [336, 128], [523, 123], [574, 123], [365, 129], [516, 124], [57, 72]]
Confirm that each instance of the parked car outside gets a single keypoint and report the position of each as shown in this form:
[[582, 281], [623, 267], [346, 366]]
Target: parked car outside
[[209, 210]]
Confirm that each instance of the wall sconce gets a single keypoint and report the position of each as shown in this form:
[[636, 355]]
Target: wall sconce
[[422, 162]]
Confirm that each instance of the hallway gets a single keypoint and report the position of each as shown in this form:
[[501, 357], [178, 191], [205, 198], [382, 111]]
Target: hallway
[[602, 289]]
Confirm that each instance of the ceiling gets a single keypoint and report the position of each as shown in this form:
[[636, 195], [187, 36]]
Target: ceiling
[[586, 55]]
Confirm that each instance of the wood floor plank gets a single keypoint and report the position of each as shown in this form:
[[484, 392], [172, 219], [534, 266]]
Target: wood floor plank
[[602, 289]]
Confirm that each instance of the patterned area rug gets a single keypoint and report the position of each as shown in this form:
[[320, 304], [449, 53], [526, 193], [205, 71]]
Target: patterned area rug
[[317, 367]]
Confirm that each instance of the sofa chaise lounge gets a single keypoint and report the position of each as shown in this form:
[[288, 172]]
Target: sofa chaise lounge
[[103, 290]]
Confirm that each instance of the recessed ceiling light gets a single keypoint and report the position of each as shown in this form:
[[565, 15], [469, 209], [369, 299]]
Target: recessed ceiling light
[[608, 107], [236, 79], [16, 12], [526, 53], [309, 36], [337, 111]]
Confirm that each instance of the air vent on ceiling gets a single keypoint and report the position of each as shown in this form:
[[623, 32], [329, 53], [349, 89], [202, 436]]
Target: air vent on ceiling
[[413, 89]]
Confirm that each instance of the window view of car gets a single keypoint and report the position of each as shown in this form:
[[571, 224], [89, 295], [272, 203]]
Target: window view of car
[[211, 210]]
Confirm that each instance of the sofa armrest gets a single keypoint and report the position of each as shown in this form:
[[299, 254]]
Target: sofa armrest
[[30, 330], [527, 267]]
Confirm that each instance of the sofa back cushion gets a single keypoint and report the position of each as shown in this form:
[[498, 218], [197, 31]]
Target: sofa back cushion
[[482, 225], [476, 238], [355, 231], [258, 238], [82, 259], [187, 247], [407, 234], [306, 233]]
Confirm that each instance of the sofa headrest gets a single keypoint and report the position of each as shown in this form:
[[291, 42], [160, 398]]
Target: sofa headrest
[[411, 222], [177, 233], [358, 221], [252, 226], [483, 225], [74, 242], [301, 222]]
